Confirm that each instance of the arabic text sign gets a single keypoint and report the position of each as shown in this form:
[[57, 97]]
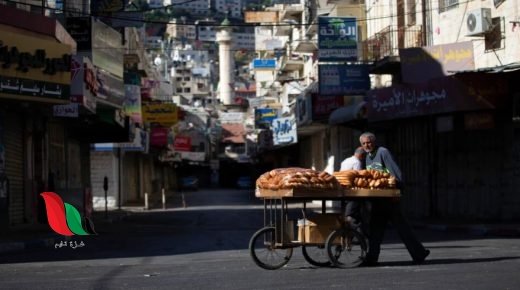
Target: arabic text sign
[[264, 117], [16, 86], [284, 131], [164, 114], [440, 96], [69, 110], [337, 39], [343, 79]]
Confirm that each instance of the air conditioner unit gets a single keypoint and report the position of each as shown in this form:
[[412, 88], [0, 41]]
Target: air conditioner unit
[[478, 21]]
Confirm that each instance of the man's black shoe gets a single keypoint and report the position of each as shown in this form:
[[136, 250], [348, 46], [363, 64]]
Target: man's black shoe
[[423, 257], [368, 263]]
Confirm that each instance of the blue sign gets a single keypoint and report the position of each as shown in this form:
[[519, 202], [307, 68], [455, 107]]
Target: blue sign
[[342, 79], [264, 117], [337, 39], [264, 63]]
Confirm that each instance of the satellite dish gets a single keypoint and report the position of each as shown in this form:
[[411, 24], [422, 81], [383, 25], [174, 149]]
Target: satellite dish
[[157, 61], [471, 22]]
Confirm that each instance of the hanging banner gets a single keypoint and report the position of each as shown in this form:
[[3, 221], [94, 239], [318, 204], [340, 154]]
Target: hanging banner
[[163, 114], [337, 39], [284, 131]]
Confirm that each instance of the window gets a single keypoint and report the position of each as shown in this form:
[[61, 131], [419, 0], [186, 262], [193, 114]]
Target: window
[[412, 12], [187, 79], [179, 90], [493, 39], [445, 5], [187, 90]]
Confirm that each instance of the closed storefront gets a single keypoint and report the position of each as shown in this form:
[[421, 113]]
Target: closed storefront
[[12, 139]]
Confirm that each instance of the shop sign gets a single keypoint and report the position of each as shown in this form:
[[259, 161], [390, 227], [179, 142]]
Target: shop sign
[[303, 109], [159, 137], [34, 67], [109, 57], [323, 106], [264, 117], [24, 87], [342, 79], [132, 103], [182, 143], [69, 110], [84, 85], [163, 114], [337, 39], [284, 131], [110, 88], [439, 96], [193, 156]]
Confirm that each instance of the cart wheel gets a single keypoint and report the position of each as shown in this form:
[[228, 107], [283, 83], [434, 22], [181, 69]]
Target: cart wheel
[[316, 255], [346, 248], [262, 248]]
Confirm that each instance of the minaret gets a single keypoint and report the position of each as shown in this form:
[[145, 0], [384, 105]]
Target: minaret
[[226, 64]]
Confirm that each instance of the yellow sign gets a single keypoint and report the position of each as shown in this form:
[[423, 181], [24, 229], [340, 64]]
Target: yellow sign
[[164, 114], [34, 58], [261, 17]]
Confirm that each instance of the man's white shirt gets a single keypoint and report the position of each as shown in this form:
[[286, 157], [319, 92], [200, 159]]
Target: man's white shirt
[[351, 163]]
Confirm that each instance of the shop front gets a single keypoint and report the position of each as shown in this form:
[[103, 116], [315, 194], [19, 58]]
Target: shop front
[[447, 135], [35, 58]]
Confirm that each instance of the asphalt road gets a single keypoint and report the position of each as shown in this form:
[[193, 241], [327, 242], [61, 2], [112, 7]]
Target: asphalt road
[[204, 246]]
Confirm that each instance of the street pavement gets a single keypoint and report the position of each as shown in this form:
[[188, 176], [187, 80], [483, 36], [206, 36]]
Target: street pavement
[[40, 235], [202, 243]]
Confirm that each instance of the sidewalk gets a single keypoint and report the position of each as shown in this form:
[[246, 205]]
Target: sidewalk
[[40, 235]]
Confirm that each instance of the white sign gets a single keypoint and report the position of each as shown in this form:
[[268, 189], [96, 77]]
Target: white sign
[[193, 156], [284, 131], [69, 110], [233, 117]]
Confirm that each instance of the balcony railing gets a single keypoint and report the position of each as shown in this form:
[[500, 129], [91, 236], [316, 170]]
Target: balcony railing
[[389, 40]]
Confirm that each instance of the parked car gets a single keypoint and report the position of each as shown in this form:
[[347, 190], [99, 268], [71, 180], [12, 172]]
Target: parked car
[[189, 182], [244, 182]]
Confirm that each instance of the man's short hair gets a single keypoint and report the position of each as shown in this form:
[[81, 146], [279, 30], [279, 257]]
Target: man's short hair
[[359, 150], [368, 135]]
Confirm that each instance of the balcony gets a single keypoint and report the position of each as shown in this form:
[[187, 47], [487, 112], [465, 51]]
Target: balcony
[[387, 42]]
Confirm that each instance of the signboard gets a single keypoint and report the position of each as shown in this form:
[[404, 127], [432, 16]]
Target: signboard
[[261, 17], [110, 88], [109, 53], [264, 64], [323, 106], [69, 110], [140, 143], [31, 88], [231, 117], [420, 64], [193, 156], [132, 103], [337, 39], [80, 28], [337, 79], [264, 117], [435, 97], [303, 109], [164, 114], [84, 85], [182, 143], [284, 131], [159, 137]]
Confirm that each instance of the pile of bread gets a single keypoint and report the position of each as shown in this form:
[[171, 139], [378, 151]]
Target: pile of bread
[[295, 177], [370, 179]]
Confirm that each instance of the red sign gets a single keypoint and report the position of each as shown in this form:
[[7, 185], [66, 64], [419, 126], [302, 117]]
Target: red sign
[[182, 143], [323, 106], [159, 137]]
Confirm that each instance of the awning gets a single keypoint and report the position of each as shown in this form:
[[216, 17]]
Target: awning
[[345, 114], [233, 133]]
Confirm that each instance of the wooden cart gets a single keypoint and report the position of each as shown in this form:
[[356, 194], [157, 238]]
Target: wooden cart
[[333, 243]]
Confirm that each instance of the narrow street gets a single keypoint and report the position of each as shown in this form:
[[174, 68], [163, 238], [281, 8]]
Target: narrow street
[[205, 246]]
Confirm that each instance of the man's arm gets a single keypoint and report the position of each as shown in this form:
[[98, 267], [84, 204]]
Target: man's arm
[[389, 162]]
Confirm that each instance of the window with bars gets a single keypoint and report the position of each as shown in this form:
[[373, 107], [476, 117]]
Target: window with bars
[[411, 6]]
